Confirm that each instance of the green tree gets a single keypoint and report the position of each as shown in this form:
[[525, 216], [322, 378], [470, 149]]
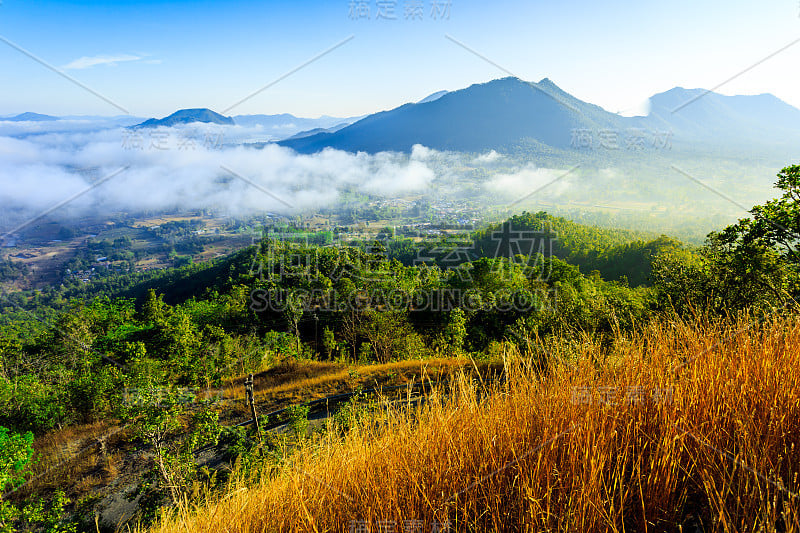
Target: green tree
[[157, 415], [776, 223], [329, 342], [153, 308], [455, 331], [388, 333], [16, 450], [295, 306], [751, 264]]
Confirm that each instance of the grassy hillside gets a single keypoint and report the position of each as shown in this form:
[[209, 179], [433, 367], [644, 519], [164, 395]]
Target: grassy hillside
[[625, 362], [686, 426]]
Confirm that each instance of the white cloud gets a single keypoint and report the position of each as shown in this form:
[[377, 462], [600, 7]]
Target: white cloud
[[489, 157], [637, 109], [41, 169], [544, 182], [89, 62]]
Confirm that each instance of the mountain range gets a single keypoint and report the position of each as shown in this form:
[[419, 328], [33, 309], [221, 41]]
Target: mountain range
[[30, 117], [280, 126], [284, 120], [509, 113], [187, 116], [512, 115]]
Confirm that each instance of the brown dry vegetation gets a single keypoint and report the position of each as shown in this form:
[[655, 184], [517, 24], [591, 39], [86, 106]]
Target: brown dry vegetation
[[300, 381], [71, 455], [87, 458], [678, 427], [310, 379]]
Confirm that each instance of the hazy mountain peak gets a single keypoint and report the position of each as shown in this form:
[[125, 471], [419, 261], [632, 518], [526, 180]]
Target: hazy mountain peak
[[483, 116], [30, 117], [188, 116], [508, 113]]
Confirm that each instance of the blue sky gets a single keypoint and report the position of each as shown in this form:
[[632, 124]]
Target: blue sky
[[152, 57]]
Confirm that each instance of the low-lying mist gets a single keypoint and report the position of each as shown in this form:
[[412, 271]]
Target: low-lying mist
[[97, 168], [175, 169]]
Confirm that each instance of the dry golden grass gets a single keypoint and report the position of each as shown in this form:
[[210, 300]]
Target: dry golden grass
[[73, 457], [71, 449], [546, 454], [73, 460], [296, 382], [342, 380]]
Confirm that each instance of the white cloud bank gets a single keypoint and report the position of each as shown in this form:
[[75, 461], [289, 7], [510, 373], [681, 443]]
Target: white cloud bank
[[204, 166], [39, 171]]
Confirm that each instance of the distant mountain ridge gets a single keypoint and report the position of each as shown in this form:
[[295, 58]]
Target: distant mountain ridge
[[481, 117], [506, 115], [508, 112], [697, 113], [278, 126], [187, 116], [30, 117], [315, 131], [284, 120]]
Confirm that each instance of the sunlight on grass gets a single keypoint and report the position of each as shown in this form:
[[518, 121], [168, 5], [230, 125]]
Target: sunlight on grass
[[690, 424]]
